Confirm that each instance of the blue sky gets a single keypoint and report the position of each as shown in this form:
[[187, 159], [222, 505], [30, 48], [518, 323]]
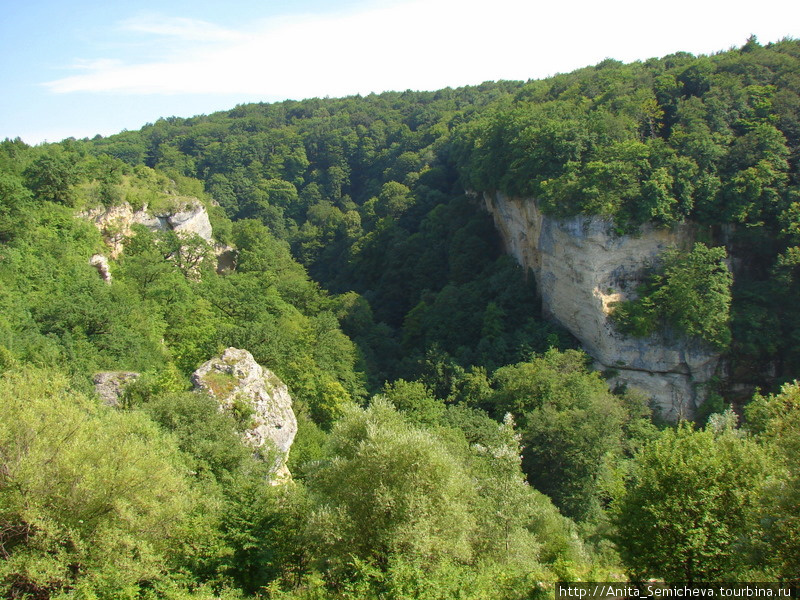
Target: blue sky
[[85, 67]]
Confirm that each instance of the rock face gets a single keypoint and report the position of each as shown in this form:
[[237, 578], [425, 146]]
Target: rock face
[[193, 219], [238, 382], [100, 262], [110, 385], [187, 217], [581, 267]]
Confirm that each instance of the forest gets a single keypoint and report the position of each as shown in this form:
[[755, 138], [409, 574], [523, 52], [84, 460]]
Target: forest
[[452, 442]]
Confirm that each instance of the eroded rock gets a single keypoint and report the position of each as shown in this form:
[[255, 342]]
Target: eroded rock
[[110, 385], [100, 262], [243, 386], [186, 217], [192, 220], [581, 267]]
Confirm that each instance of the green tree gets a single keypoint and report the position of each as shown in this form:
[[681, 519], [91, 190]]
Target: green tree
[[689, 505], [15, 205], [389, 490], [415, 401], [571, 426], [690, 291], [53, 175], [776, 421], [78, 508]]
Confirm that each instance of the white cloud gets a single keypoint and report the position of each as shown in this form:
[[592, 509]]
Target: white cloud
[[181, 28], [417, 44], [98, 64]]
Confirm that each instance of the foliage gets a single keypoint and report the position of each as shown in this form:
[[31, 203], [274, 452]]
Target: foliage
[[402, 510], [390, 490], [79, 509], [52, 175], [689, 506], [572, 427], [776, 420], [362, 268], [689, 291]]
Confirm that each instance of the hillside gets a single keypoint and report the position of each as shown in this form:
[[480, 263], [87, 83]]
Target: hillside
[[354, 184], [426, 273]]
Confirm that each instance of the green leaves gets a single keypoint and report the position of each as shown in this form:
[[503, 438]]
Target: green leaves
[[690, 292], [571, 425], [52, 175], [98, 493], [775, 419], [691, 500], [391, 490]]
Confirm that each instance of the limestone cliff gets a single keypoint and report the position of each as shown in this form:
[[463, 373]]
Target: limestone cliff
[[236, 380], [110, 385], [581, 267], [186, 217]]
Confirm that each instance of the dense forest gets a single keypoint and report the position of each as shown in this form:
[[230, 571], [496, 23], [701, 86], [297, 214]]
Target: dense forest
[[451, 442]]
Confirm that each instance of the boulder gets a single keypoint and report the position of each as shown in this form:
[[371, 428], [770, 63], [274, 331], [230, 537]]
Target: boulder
[[110, 385], [100, 262], [243, 386]]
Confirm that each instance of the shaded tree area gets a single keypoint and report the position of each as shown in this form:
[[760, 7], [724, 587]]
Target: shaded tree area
[[364, 191], [166, 307], [356, 185]]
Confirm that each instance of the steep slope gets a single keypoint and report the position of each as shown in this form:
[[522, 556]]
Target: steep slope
[[582, 268]]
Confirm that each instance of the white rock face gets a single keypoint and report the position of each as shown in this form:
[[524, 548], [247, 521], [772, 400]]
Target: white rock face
[[100, 262], [110, 385], [192, 220], [235, 378], [581, 267], [115, 222]]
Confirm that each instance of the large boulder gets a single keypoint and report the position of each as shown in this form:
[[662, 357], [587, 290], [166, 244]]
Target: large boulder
[[243, 386]]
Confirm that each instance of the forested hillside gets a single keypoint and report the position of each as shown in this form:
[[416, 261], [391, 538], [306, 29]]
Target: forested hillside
[[451, 442]]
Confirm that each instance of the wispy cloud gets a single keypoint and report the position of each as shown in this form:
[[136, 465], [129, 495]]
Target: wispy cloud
[[181, 28], [416, 44], [96, 64]]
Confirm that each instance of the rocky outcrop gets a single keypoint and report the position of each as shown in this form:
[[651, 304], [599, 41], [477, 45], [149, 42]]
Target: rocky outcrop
[[186, 217], [110, 385], [581, 268], [100, 262], [191, 220], [243, 386]]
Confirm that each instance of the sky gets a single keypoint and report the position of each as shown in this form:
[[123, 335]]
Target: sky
[[87, 67]]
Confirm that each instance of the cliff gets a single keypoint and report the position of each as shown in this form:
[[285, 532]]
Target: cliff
[[186, 217], [581, 267]]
